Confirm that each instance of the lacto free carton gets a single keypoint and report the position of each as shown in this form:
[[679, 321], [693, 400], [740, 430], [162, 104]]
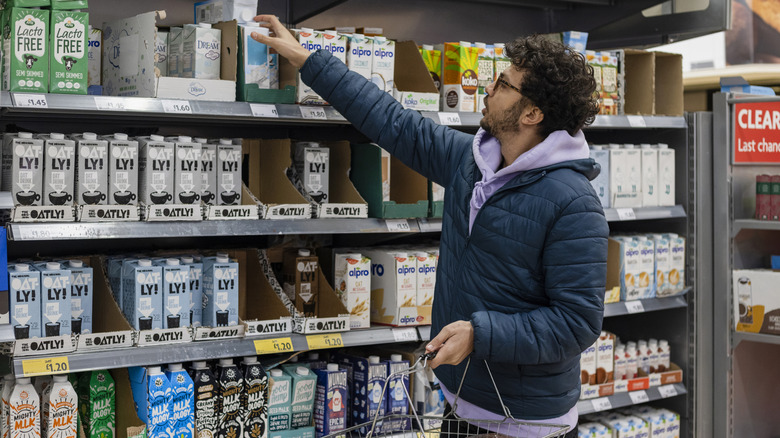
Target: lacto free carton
[[69, 61], [383, 64], [142, 294], [59, 169], [56, 303], [24, 290], [311, 40], [91, 185], [23, 162], [359, 54], [220, 291], [187, 175], [330, 402], [313, 165], [279, 410], [201, 51], [156, 166], [304, 387], [208, 174], [176, 293], [352, 278], [123, 170], [460, 77], [228, 173], [26, 51]]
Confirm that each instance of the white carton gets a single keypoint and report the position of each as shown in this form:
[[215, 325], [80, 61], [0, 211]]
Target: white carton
[[201, 51], [311, 40], [59, 169], [426, 278], [622, 166], [161, 53], [91, 170], [649, 176], [360, 54], [385, 166], [646, 268], [175, 48], [677, 272], [23, 168], [383, 64], [123, 170], [666, 175], [214, 11], [663, 264], [352, 283], [94, 56], [627, 252], [187, 175], [633, 181], [256, 66], [336, 44], [602, 182], [229, 158], [393, 288], [605, 358], [128, 56], [156, 158], [313, 165], [141, 294], [208, 173]]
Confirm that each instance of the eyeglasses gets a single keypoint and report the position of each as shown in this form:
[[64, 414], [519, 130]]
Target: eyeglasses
[[500, 81]]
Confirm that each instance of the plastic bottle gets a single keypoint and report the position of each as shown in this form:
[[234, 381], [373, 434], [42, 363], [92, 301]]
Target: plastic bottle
[[621, 363], [632, 363], [643, 356]]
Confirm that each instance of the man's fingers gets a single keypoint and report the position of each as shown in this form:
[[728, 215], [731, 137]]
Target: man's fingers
[[260, 38]]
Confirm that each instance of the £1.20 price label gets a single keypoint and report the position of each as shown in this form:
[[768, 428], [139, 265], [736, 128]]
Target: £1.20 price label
[[270, 346], [41, 367], [330, 340]]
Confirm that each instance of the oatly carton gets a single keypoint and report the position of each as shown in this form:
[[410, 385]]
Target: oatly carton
[[59, 169], [330, 402], [26, 51], [56, 302], [313, 165], [69, 61], [81, 296], [220, 291], [426, 278], [94, 56], [156, 167], [91, 170], [176, 293], [187, 175], [279, 409], [23, 168], [383, 64], [161, 53], [201, 51], [301, 280], [311, 40], [24, 290], [352, 279], [196, 290], [336, 44], [360, 54], [229, 181], [208, 173], [123, 165], [304, 387], [142, 294]]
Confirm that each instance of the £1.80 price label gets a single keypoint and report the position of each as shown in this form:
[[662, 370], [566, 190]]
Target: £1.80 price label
[[313, 113], [41, 367], [330, 340], [277, 345]]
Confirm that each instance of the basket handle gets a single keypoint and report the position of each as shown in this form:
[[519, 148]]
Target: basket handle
[[507, 413]]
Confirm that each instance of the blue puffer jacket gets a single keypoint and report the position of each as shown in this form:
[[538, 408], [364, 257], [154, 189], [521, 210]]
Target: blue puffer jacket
[[531, 276]]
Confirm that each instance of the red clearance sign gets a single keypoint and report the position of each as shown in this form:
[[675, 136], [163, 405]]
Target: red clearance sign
[[757, 132]]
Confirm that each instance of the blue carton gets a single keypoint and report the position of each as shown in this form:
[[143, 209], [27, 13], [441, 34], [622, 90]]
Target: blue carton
[[397, 392], [25, 301], [775, 262], [330, 402], [368, 381], [152, 395], [176, 293], [220, 291], [737, 84], [304, 432], [142, 294], [181, 421], [279, 403], [81, 295], [55, 299], [196, 290]]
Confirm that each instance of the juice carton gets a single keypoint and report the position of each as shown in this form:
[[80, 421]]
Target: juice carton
[[432, 60], [97, 404], [153, 396], [501, 61], [360, 54], [460, 79], [208, 173], [59, 404], [231, 412], [336, 44], [304, 387], [81, 295], [220, 291], [485, 72], [602, 182], [26, 51], [255, 398], [330, 412], [175, 49], [23, 168], [369, 377], [229, 158], [94, 56], [666, 166], [649, 175], [663, 264], [605, 358], [8, 387], [398, 390], [253, 58], [201, 52], [383, 64], [313, 165], [301, 280], [196, 290], [352, 278], [69, 59], [646, 278], [24, 415], [161, 53], [91, 185], [25, 307], [206, 400], [142, 294], [156, 166], [677, 272], [55, 303], [311, 40], [279, 409], [123, 172], [187, 176], [426, 278], [176, 293], [59, 169], [181, 422]]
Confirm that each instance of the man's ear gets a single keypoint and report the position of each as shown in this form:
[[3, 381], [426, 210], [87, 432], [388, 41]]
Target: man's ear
[[532, 115]]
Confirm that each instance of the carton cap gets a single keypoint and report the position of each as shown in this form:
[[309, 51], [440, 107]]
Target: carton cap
[[427, 47], [304, 252], [373, 359], [499, 45], [629, 146], [302, 371], [185, 139], [663, 343], [187, 260], [396, 358], [22, 267], [307, 30], [631, 344], [597, 147], [248, 17], [225, 141], [174, 367], [52, 266], [204, 25], [172, 262], [199, 365], [59, 378], [144, 262], [225, 362], [662, 146], [614, 146], [480, 45], [201, 140], [57, 136], [276, 372], [25, 135], [120, 136], [85, 136], [155, 137], [153, 370], [642, 343], [250, 359], [331, 32], [333, 367], [422, 254], [23, 381], [380, 39], [640, 238], [223, 254], [620, 349], [464, 43], [75, 263], [646, 146], [672, 235], [652, 344]]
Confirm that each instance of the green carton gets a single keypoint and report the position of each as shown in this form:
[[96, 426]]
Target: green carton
[[97, 404], [68, 62], [69, 4], [8, 4], [25, 49]]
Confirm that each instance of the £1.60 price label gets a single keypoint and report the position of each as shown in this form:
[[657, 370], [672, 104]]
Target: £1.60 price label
[[313, 113], [330, 340], [40, 367], [177, 107], [30, 100], [270, 346]]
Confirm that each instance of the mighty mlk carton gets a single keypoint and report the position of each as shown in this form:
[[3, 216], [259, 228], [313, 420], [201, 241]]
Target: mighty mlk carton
[[69, 58], [25, 50], [460, 77]]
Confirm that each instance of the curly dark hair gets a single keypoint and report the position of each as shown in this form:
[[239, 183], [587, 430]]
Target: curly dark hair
[[557, 80]]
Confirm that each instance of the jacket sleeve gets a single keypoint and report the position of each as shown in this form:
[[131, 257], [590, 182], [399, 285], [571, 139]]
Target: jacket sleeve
[[421, 144], [575, 270]]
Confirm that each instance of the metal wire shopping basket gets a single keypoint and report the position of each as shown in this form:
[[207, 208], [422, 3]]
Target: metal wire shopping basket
[[452, 426]]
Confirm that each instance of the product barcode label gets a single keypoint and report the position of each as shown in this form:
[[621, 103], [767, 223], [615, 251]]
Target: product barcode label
[[638, 397], [601, 404]]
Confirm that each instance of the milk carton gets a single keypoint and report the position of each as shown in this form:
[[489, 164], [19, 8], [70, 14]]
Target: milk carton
[[649, 175], [666, 169], [273, 71], [176, 293], [26, 51], [386, 161], [602, 182], [59, 404], [175, 49], [91, 185], [255, 398], [94, 56], [187, 175], [313, 165], [153, 402], [208, 174], [24, 415], [279, 409], [619, 183], [220, 291], [352, 280], [605, 358], [398, 390], [330, 411], [396, 274], [301, 280], [629, 266], [254, 67], [383, 64], [646, 277], [460, 79], [55, 303], [663, 264], [69, 59], [229, 181], [485, 72], [206, 401], [214, 11], [59, 169], [8, 387], [677, 272], [588, 365], [161, 53], [426, 278], [336, 44], [196, 290], [201, 51], [97, 404], [123, 170], [369, 377], [432, 60], [24, 290], [304, 387], [633, 162], [672, 420], [360, 54], [81, 295], [23, 160], [181, 422], [156, 166], [142, 294], [311, 40]]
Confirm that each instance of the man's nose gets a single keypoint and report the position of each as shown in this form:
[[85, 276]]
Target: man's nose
[[490, 88]]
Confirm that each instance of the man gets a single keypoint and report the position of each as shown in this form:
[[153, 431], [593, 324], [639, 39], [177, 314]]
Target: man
[[522, 271]]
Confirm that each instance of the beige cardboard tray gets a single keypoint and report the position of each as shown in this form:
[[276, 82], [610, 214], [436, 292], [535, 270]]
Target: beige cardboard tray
[[268, 161]]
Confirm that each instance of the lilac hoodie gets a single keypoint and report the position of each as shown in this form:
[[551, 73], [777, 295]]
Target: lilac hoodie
[[556, 148]]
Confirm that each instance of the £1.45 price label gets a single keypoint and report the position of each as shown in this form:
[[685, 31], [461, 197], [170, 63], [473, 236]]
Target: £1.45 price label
[[398, 225], [270, 346], [30, 100], [110, 103], [313, 113], [177, 107], [319, 342], [41, 367]]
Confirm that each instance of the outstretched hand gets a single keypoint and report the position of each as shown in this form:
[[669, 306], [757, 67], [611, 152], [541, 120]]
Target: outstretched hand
[[453, 344], [281, 40]]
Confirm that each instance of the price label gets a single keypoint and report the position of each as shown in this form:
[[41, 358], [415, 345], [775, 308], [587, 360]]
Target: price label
[[270, 346], [261, 110], [635, 306], [601, 404], [626, 214], [636, 122], [110, 103], [405, 335], [449, 119], [638, 397], [177, 106], [399, 225], [667, 391], [313, 113], [42, 367], [330, 340], [31, 100]]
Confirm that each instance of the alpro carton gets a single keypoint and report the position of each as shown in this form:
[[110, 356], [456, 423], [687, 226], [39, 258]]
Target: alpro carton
[[91, 185], [94, 56], [81, 296], [153, 396], [663, 264], [220, 291], [359, 54], [304, 387], [254, 398], [181, 422], [432, 59], [229, 181], [311, 40], [176, 293], [23, 168], [626, 251], [369, 377], [588, 366], [196, 290], [677, 272], [426, 278], [460, 78], [156, 170], [24, 290], [649, 175], [161, 53], [26, 51], [279, 409], [330, 410], [601, 182], [175, 48], [208, 174], [313, 165], [142, 294], [666, 183], [336, 44], [59, 169], [56, 303], [202, 47], [485, 72], [59, 403], [352, 278], [605, 358], [69, 60], [383, 64], [187, 176], [123, 170], [301, 280], [645, 280], [395, 274]]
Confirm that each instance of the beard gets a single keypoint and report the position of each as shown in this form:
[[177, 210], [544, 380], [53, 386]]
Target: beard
[[499, 124]]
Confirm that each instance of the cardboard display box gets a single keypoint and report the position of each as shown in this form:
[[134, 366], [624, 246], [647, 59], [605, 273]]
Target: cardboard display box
[[43, 213], [344, 200], [674, 375], [272, 317], [268, 161], [653, 83], [408, 189], [248, 210], [414, 87]]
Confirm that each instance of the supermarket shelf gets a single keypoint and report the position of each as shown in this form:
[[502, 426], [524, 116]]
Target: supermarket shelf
[[425, 332], [6, 201], [6, 333], [624, 399], [644, 213], [471, 120], [753, 224], [5, 99], [649, 305], [754, 337]]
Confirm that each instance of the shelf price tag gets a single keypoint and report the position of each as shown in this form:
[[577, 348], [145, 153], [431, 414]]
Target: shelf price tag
[[104, 103], [667, 391], [313, 113], [635, 306], [177, 106], [265, 110], [405, 334], [270, 346], [449, 119], [638, 397], [626, 214], [31, 100], [601, 404], [636, 122], [398, 225], [330, 340], [41, 367]]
